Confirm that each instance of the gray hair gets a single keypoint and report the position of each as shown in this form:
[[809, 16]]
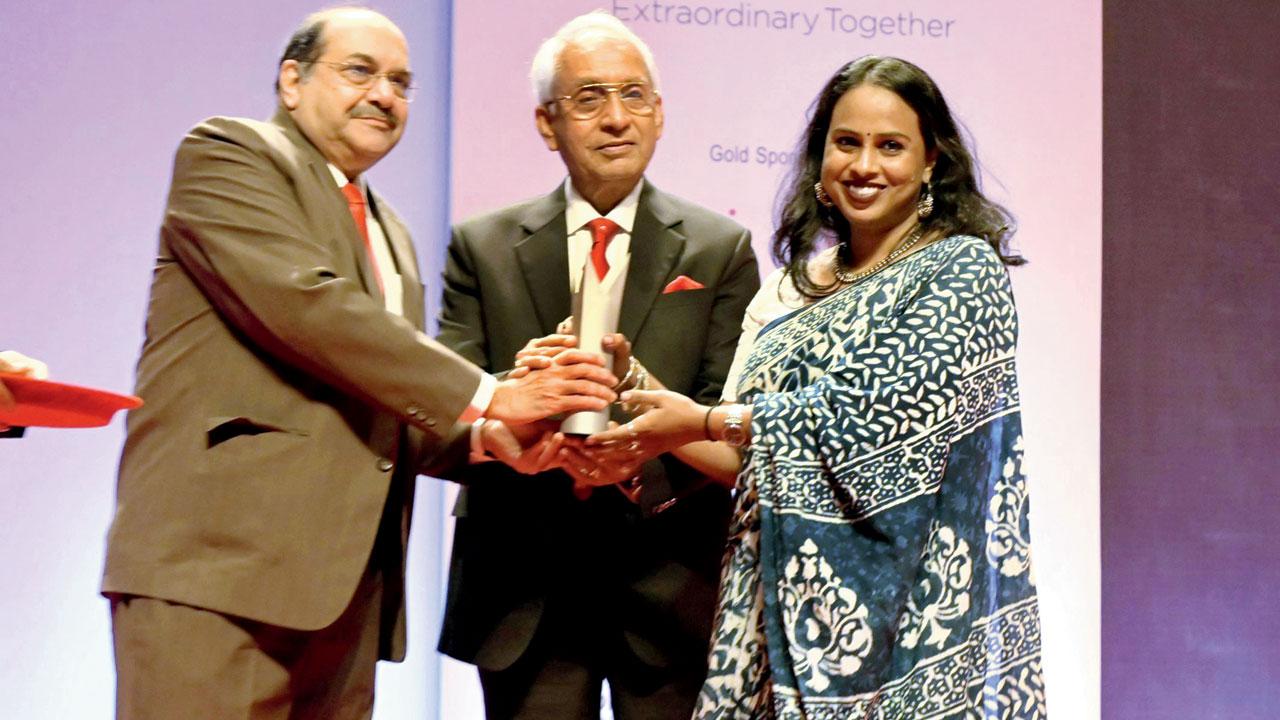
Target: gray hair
[[306, 45], [546, 62]]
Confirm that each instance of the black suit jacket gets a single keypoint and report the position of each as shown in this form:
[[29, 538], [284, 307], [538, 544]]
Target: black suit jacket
[[523, 544]]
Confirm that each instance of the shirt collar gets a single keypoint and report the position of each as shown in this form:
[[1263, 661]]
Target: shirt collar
[[340, 178], [578, 212]]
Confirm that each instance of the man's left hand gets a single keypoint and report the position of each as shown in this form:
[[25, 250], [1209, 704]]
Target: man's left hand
[[528, 449]]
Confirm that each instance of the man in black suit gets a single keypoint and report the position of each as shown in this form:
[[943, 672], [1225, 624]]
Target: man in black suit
[[551, 593]]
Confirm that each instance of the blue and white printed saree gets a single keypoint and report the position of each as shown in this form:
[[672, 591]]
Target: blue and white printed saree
[[879, 561]]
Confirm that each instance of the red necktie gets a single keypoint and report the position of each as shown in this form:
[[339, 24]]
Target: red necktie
[[602, 231], [355, 203]]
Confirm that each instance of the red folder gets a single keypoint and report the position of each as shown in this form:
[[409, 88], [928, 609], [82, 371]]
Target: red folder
[[44, 403]]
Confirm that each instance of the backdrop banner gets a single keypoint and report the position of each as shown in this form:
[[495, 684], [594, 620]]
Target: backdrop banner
[[737, 80], [111, 90]]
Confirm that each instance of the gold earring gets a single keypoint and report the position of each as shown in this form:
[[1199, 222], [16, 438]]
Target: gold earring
[[924, 205], [820, 193]]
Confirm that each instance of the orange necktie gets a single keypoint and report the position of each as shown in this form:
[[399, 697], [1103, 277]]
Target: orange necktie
[[602, 231], [355, 203]]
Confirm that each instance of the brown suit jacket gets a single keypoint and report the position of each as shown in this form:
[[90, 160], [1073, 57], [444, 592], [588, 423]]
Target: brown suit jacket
[[283, 403]]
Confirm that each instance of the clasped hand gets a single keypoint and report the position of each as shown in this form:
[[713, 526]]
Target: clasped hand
[[540, 446], [566, 381]]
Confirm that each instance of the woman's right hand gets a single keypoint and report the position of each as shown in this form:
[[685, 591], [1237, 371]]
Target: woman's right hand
[[667, 421]]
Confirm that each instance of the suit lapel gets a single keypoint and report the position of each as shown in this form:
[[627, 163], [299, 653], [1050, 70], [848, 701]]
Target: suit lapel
[[397, 238], [543, 255], [656, 244], [330, 198], [406, 261]]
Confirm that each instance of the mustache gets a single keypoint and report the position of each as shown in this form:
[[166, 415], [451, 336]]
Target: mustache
[[371, 111]]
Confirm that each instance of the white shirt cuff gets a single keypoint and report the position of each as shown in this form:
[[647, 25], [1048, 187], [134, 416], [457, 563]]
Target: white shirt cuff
[[478, 453], [480, 401]]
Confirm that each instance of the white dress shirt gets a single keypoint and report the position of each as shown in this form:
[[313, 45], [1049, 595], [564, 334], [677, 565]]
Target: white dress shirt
[[393, 288], [578, 212]]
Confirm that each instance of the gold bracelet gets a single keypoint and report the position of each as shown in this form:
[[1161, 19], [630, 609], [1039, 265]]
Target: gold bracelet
[[631, 373], [642, 378]]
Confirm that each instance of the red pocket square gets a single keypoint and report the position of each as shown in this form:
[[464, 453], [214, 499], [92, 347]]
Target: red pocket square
[[684, 282]]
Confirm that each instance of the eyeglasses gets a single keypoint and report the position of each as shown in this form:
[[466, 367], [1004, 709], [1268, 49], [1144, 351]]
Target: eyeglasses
[[360, 75], [589, 100]]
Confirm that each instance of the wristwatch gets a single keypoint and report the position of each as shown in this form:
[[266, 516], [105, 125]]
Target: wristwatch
[[733, 432]]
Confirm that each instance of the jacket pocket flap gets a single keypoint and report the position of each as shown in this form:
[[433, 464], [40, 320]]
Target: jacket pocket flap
[[222, 429]]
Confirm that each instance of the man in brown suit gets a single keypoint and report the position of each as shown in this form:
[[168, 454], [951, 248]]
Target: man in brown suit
[[255, 563]]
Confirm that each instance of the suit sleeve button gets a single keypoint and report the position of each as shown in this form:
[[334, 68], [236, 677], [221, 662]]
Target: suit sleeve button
[[431, 422], [385, 465], [412, 411]]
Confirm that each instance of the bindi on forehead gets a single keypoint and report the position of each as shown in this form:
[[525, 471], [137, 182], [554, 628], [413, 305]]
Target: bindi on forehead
[[876, 114], [841, 130], [872, 99]]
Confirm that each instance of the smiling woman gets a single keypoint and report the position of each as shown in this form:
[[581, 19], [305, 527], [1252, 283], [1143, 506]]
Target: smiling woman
[[874, 168], [879, 558], [881, 154]]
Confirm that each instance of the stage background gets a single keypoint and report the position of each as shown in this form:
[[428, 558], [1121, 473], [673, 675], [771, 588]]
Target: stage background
[[1026, 81], [97, 96]]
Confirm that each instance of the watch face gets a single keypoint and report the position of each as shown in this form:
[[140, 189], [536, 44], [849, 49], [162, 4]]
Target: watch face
[[733, 433]]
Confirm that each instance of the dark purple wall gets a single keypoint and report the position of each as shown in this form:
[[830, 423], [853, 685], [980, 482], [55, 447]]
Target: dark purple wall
[[1190, 375]]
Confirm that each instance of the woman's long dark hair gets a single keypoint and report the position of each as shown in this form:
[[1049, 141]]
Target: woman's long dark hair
[[959, 206]]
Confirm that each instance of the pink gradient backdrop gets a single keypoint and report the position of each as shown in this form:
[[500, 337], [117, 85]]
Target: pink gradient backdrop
[[1025, 78], [99, 94]]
